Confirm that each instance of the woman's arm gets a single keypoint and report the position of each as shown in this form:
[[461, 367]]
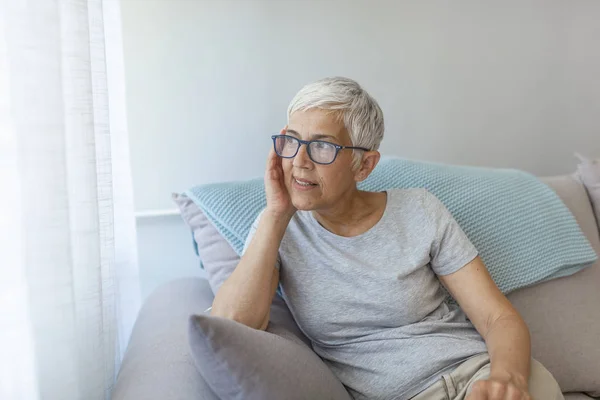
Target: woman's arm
[[504, 331], [247, 294]]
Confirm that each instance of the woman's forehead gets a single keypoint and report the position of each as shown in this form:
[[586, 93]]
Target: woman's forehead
[[311, 123]]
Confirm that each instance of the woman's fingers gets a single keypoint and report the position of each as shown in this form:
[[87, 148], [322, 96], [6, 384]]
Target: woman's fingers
[[496, 390], [272, 159], [274, 171], [274, 164], [479, 391]]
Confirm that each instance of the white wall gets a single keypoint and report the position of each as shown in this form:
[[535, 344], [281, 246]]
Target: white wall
[[505, 84]]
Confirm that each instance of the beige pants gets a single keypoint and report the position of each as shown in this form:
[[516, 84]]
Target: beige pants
[[457, 384]]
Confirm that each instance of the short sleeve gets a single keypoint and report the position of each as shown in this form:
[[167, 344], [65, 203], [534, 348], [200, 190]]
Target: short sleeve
[[451, 249], [251, 234]]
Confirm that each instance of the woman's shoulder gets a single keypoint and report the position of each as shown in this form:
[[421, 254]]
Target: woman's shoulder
[[421, 204], [416, 204]]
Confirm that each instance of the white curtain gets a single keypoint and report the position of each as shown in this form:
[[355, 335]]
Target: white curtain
[[69, 287]]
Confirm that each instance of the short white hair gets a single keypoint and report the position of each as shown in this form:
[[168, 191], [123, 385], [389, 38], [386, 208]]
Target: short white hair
[[362, 116]]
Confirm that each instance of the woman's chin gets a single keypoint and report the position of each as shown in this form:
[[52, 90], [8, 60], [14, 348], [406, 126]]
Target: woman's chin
[[302, 203]]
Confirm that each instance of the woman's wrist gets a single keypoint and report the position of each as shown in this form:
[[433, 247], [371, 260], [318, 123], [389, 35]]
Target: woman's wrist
[[278, 217], [276, 222]]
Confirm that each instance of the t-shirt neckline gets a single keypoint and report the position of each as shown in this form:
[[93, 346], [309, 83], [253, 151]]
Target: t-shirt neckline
[[321, 229]]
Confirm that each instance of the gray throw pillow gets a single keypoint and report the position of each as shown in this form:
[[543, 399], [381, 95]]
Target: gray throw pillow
[[239, 362]]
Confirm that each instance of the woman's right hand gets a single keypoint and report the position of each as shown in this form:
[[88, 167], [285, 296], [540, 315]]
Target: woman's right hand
[[279, 202]]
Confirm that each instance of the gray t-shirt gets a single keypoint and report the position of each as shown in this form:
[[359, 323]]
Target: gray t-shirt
[[372, 304]]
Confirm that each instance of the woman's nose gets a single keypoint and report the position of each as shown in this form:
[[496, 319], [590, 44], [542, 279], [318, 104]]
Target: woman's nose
[[302, 160]]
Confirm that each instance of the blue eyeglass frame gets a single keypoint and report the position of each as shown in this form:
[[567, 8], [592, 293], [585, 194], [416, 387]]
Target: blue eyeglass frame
[[307, 144]]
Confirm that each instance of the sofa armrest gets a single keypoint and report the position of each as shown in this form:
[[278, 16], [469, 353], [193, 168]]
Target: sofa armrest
[[157, 363]]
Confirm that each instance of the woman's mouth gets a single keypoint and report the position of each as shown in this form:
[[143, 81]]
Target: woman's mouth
[[303, 184]]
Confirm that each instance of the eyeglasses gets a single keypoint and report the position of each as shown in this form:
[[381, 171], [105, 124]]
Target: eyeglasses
[[319, 151]]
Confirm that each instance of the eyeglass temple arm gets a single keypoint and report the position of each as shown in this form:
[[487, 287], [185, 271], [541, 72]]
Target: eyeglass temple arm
[[353, 147]]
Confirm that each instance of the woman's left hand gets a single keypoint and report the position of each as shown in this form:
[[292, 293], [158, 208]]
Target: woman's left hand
[[498, 389]]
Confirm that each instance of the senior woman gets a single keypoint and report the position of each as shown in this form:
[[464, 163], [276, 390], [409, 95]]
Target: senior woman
[[362, 272]]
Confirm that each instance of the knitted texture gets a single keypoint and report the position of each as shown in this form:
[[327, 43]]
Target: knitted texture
[[523, 231]]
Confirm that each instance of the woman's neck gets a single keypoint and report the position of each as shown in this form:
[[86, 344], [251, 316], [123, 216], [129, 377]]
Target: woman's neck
[[354, 214]]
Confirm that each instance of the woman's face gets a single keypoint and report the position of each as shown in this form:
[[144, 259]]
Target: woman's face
[[327, 183]]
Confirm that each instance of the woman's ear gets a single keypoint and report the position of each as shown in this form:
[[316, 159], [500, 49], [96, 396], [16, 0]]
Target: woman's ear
[[367, 165]]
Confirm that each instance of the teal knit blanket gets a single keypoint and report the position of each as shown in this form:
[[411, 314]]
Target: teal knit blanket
[[523, 231]]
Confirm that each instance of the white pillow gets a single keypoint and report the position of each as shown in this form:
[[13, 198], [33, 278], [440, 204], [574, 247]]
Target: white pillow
[[588, 172], [217, 256]]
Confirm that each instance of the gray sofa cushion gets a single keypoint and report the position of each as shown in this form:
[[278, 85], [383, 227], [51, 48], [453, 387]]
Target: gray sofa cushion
[[563, 315], [239, 362], [158, 363]]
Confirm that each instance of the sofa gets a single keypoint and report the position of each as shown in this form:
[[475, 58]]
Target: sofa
[[563, 316]]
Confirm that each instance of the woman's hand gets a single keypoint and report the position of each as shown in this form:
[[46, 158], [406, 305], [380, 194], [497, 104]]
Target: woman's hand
[[498, 389], [279, 202]]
